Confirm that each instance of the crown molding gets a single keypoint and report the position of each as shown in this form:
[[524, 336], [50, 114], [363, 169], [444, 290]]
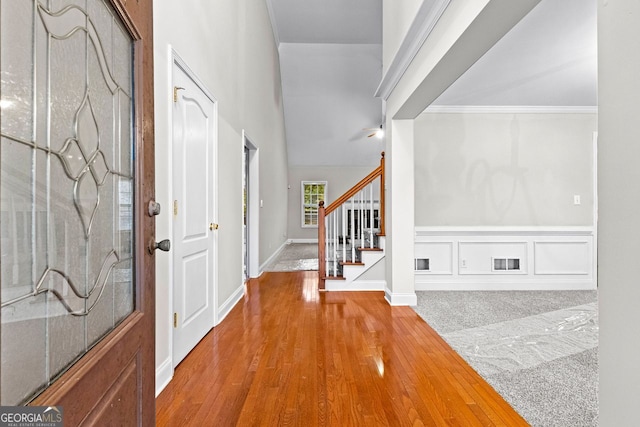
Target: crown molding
[[510, 109], [274, 24], [426, 19]]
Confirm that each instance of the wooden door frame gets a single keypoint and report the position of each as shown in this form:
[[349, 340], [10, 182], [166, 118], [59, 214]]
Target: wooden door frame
[[137, 16]]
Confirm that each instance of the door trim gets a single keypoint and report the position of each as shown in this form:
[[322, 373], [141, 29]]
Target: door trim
[[176, 59], [253, 205], [595, 207]]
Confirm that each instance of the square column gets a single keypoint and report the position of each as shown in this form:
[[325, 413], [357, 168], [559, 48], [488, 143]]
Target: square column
[[400, 222]]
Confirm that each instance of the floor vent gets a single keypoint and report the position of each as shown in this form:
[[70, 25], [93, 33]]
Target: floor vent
[[506, 264], [422, 264]]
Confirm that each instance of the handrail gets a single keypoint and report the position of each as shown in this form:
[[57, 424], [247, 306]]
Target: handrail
[[323, 211], [354, 190]]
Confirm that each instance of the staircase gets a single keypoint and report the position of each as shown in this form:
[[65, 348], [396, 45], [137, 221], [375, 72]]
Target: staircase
[[351, 233]]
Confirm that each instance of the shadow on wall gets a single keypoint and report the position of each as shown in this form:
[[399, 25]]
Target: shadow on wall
[[485, 184], [496, 188], [495, 169]]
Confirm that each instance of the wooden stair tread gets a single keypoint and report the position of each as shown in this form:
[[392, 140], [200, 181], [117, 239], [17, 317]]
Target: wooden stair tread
[[351, 263], [370, 249]]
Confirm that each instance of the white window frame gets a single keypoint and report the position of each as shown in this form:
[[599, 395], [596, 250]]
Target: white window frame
[[303, 205]]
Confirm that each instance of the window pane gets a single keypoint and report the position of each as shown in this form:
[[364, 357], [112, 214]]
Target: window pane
[[312, 194]]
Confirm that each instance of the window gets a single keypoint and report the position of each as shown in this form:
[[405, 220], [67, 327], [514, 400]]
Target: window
[[313, 192]]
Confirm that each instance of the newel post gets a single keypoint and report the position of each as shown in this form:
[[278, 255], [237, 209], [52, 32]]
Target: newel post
[[321, 246], [382, 194]]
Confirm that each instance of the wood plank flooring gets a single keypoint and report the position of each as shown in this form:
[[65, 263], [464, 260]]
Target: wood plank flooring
[[288, 355]]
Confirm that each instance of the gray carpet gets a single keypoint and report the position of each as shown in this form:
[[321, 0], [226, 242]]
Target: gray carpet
[[296, 257], [537, 349]]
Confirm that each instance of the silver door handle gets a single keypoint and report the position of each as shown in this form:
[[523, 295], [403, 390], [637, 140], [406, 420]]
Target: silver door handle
[[164, 245]]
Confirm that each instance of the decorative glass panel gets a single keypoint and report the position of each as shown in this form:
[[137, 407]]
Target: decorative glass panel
[[66, 186]]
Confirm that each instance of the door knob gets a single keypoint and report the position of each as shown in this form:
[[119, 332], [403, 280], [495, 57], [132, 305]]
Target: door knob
[[154, 208], [164, 245], [213, 226]]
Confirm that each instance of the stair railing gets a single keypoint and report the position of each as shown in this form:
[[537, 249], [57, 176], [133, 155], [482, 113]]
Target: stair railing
[[351, 224]]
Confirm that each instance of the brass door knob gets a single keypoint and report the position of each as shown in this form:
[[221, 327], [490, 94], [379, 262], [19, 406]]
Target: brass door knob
[[213, 226]]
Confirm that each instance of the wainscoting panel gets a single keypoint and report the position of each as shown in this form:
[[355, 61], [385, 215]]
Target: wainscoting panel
[[571, 258], [439, 254], [477, 257], [504, 258]]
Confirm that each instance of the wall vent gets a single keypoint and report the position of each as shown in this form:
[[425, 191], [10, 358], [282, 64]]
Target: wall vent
[[506, 264], [422, 264]]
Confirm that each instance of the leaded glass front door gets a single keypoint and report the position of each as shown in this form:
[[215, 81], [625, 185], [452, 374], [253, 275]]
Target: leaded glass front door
[[68, 187]]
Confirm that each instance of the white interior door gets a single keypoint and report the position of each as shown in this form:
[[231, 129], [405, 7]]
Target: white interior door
[[193, 212]]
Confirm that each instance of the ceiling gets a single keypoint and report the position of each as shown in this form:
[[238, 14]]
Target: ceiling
[[328, 99], [331, 63], [328, 21], [550, 58]]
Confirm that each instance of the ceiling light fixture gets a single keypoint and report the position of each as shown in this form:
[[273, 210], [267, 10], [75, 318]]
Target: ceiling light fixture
[[380, 133]]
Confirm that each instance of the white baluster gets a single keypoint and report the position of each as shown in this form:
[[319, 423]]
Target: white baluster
[[344, 233], [326, 245], [333, 242], [353, 232], [335, 237], [361, 217], [371, 219]]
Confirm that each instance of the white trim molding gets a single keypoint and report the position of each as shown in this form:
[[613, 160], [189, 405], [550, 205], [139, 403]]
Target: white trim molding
[[231, 302], [303, 241], [164, 374], [509, 109], [274, 23], [548, 258], [426, 19], [273, 256], [398, 299], [358, 285]]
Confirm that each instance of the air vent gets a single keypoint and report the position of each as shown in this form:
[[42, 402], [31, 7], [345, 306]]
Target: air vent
[[422, 264], [506, 264]]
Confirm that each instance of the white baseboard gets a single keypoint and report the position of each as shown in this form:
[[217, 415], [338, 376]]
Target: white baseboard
[[272, 257], [504, 286], [164, 374], [231, 302], [400, 299], [303, 241], [358, 285]]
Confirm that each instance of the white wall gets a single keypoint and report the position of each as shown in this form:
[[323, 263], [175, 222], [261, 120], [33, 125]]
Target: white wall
[[498, 169], [619, 208], [229, 45], [339, 180]]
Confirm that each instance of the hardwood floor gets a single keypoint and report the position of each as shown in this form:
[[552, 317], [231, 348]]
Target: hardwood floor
[[289, 355]]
